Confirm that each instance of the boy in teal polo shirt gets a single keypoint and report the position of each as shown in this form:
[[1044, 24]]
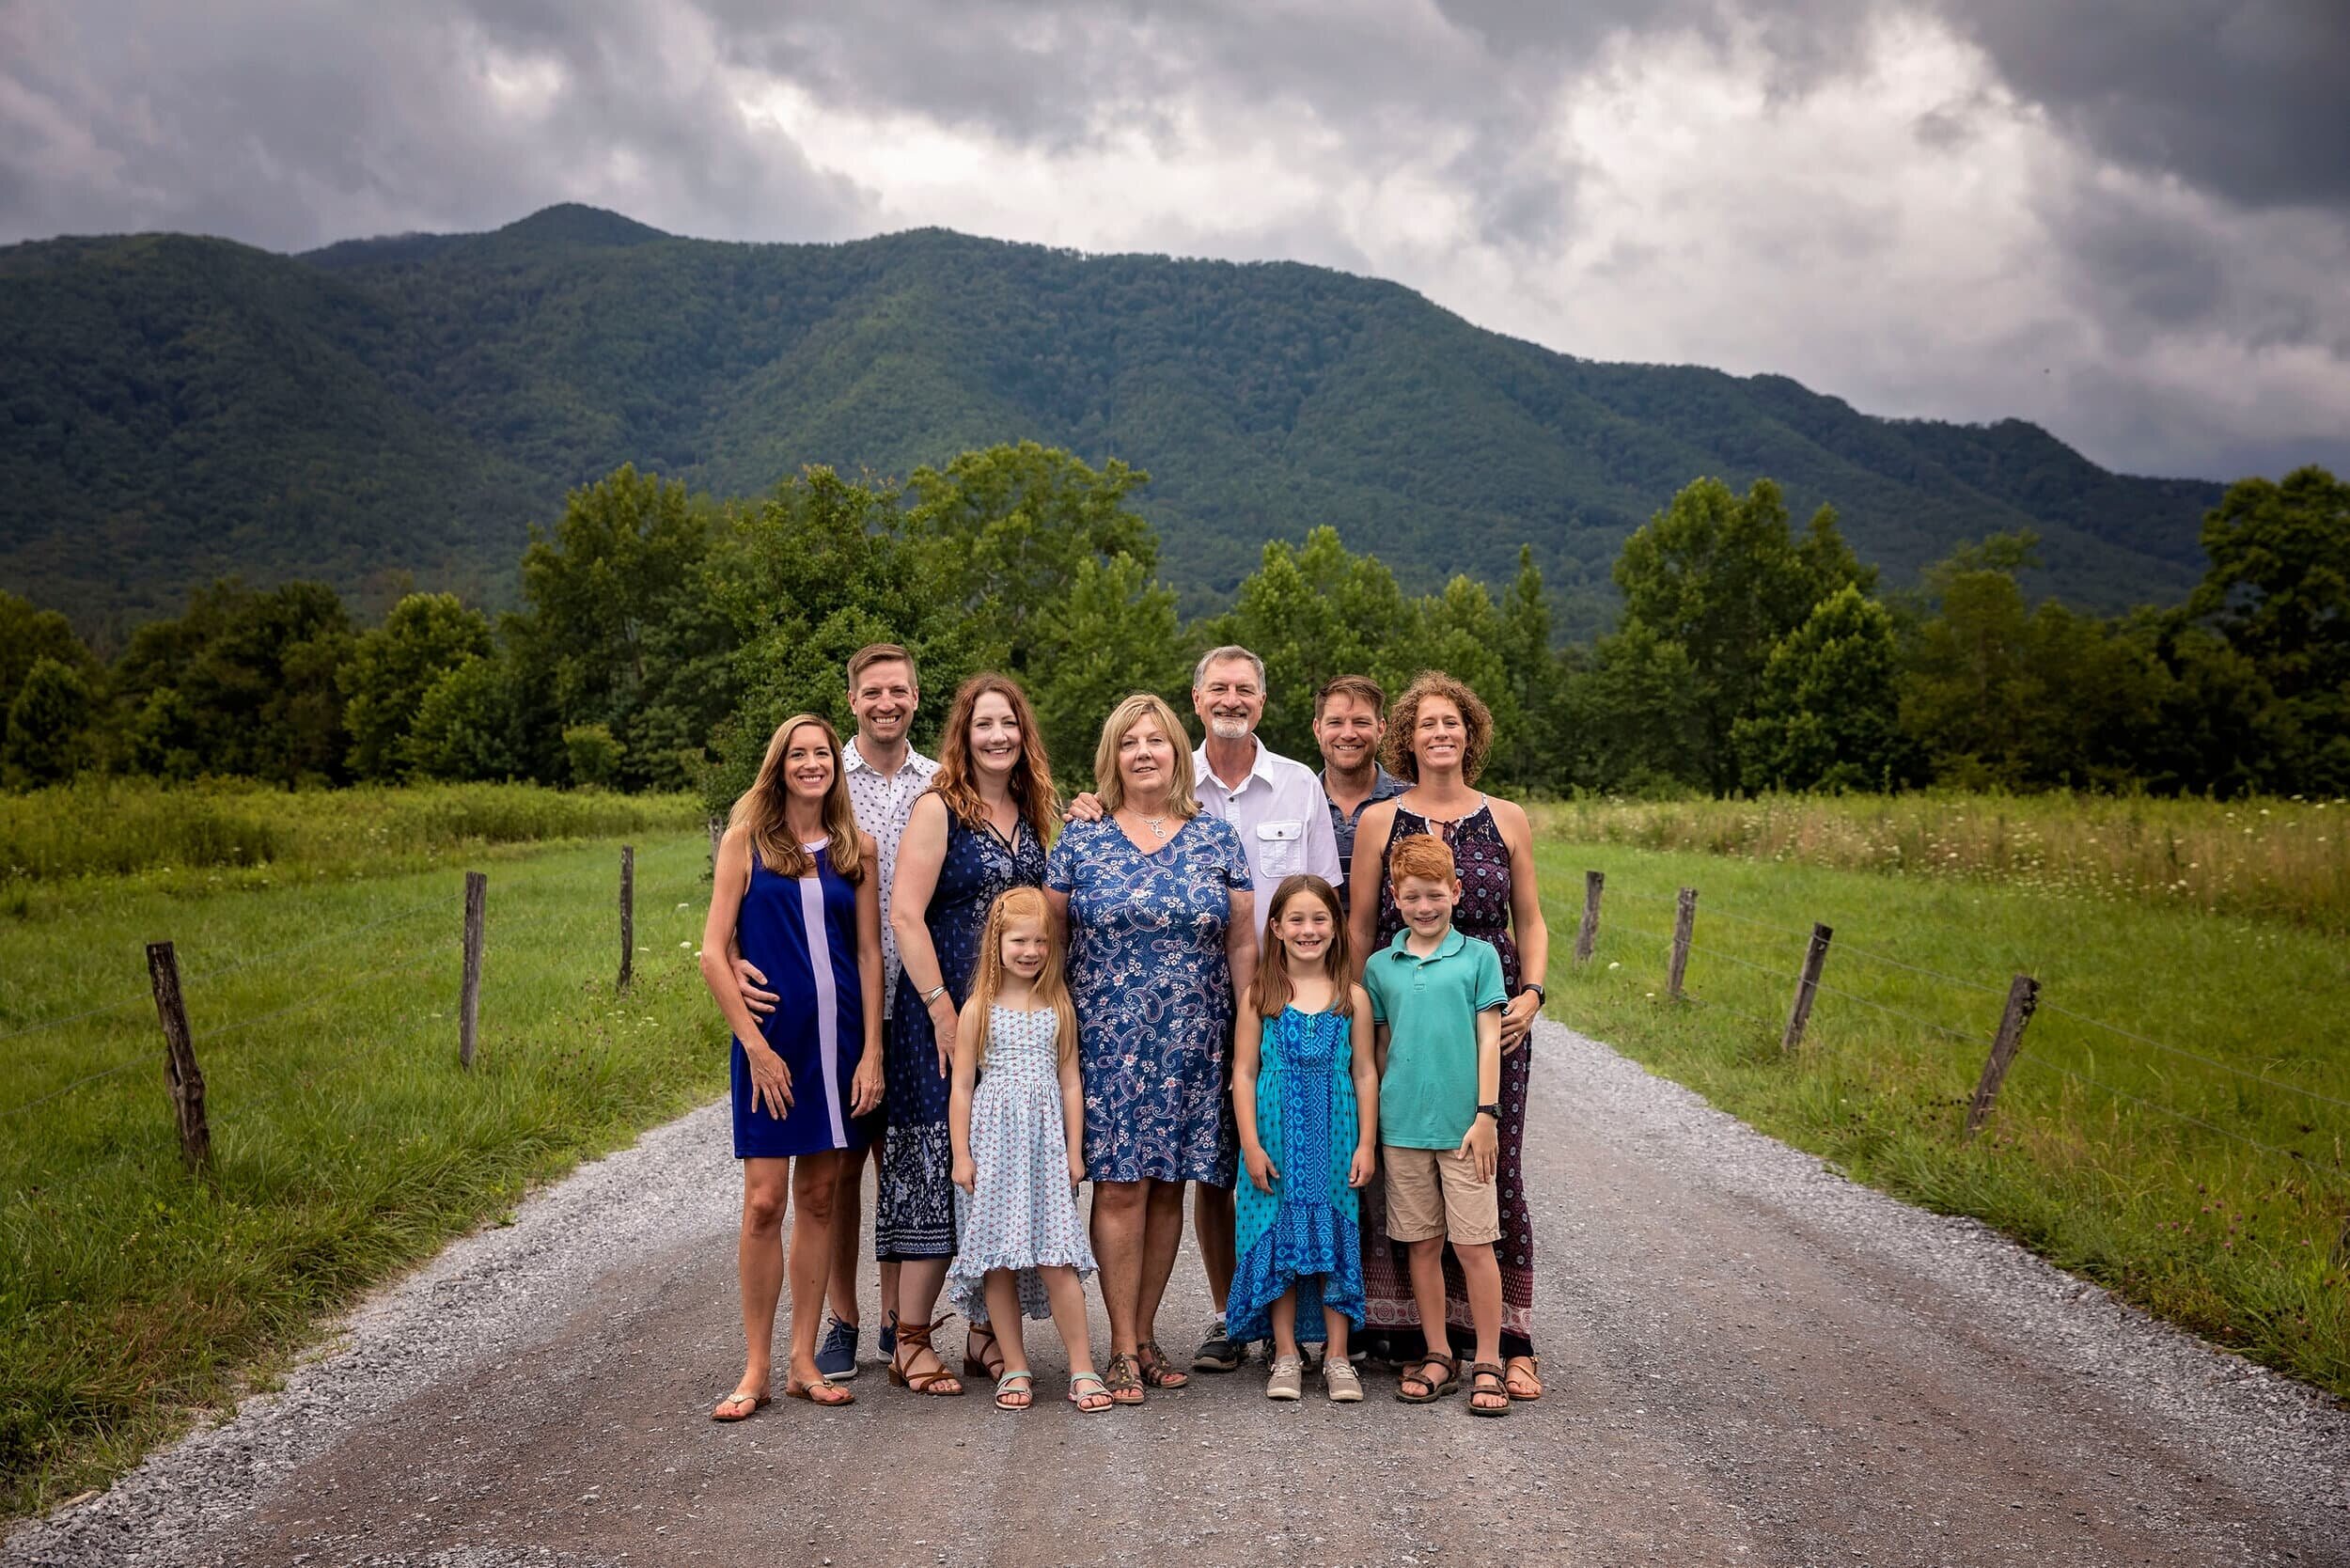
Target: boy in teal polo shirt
[[1436, 996]]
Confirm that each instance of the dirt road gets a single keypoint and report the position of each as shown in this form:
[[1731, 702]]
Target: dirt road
[[1751, 1362]]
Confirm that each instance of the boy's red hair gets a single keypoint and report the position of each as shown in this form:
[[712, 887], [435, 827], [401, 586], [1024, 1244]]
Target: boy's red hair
[[1422, 854]]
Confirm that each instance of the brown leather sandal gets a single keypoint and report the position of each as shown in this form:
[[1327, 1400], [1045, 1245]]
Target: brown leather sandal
[[1157, 1372], [1119, 1379], [1432, 1388], [1485, 1383], [974, 1364], [914, 1338]]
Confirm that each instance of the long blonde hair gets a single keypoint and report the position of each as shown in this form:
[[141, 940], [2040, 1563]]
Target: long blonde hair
[[1182, 799], [1273, 989], [1052, 986], [1031, 777], [760, 810]]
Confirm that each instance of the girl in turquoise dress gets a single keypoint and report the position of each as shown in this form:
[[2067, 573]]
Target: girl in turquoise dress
[[1306, 1095]]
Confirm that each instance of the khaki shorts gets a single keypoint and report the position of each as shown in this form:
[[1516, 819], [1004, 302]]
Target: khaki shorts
[[1434, 1194]]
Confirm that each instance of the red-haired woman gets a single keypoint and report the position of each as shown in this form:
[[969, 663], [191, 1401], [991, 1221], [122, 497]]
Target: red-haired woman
[[795, 891], [979, 829], [1437, 740]]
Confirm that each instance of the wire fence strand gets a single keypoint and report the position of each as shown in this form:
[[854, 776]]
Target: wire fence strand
[[2156, 1105], [2260, 1078]]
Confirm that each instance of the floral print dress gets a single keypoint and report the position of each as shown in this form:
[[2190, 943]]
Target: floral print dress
[[1153, 991]]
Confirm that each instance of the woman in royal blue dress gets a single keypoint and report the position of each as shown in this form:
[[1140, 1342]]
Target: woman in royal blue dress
[[978, 830], [795, 891], [1156, 903]]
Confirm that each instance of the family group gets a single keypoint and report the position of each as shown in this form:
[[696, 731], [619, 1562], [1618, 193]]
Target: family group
[[1308, 996]]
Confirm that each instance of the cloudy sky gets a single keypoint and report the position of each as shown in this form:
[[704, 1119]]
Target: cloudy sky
[[2128, 220]]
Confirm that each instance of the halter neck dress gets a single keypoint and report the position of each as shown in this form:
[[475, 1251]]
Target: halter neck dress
[[802, 934]]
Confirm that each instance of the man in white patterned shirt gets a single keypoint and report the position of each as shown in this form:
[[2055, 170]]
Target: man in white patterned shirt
[[886, 775]]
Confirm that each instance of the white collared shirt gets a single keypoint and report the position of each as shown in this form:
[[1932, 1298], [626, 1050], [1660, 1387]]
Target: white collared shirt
[[1282, 814], [881, 806]]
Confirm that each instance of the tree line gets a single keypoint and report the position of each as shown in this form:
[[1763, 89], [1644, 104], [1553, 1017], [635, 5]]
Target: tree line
[[661, 635]]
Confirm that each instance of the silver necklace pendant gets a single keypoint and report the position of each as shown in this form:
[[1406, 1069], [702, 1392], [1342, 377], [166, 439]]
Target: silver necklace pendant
[[1157, 826]]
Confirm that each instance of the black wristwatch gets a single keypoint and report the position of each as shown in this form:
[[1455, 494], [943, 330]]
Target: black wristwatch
[[1493, 1111], [1542, 998]]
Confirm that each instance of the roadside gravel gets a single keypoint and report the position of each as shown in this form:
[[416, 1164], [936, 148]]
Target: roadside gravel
[[1752, 1360]]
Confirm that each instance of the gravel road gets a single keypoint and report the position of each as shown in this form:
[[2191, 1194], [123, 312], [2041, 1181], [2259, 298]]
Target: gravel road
[[1752, 1360]]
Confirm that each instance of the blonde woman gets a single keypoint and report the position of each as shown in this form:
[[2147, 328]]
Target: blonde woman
[[795, 891], [1154, 898]]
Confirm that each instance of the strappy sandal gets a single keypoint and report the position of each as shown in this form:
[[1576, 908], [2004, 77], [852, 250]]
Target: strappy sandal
[[976, 1365], [914, 1338], [1093, 1400], [1004, 1390], [1485, 1383], [1534, 1373], [809, 1392], [1432, 1389], [1157, 1372], [748, 1401], [1120, 1381]]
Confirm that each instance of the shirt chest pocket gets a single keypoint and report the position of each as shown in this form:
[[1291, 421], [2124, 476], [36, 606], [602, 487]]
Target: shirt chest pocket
[[1280, 847]]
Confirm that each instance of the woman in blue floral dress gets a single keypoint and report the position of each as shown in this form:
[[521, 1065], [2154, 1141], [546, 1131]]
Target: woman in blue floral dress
[[1156, 901], [979, 829]]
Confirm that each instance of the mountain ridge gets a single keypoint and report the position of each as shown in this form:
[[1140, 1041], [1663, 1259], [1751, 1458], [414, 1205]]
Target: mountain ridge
[[385, 409]]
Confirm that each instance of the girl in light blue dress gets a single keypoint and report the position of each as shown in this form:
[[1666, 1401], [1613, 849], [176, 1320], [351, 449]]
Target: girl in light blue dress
[[1306, 1095], [1016, 1117]]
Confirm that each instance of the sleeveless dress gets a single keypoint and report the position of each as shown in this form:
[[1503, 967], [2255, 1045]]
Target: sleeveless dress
[[914, 1215], [801, 932], [1484, 861], [1306, 1232], [1153, 989], [1023, 1214]]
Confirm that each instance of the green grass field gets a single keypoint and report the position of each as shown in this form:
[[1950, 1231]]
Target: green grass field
[[2210, 1188], [347, 1141]]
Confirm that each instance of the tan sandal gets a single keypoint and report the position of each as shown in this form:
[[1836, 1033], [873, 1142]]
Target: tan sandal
[[1532, 1372], [914, 1338], [748, 1401], [818, 1392]]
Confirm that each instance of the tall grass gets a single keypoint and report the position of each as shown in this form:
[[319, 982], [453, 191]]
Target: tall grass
[[347, 1141], [2174, 1128], [2274, 859], [111, 827]]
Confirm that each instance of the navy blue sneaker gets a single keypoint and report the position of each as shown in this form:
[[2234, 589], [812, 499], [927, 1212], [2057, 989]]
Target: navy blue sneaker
[[889, 1337], [836, 1357]]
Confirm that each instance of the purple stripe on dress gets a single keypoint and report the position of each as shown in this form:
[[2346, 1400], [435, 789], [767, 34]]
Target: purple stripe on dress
[[828, 996]]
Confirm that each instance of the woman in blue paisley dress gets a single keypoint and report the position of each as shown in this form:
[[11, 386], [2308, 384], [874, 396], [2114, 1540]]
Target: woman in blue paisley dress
[[979, 829], [1160, 919]]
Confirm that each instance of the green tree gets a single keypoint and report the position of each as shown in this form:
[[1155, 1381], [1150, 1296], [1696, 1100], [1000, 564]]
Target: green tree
[[593, 755], [48, 725], [28, 636], [620, 626], [1969, 696], [471, 725], [245, 683], [1312, 612], [2277, 589], [1724, 577], [1828, 715], [392, 668], [1011, 524], [1631, 720], [1114, 632]]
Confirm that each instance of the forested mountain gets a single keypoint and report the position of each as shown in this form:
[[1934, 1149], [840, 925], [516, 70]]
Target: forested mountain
[[181, 408]]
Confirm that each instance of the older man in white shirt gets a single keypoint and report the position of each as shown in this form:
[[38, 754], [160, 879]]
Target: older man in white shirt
[[1283, 819]]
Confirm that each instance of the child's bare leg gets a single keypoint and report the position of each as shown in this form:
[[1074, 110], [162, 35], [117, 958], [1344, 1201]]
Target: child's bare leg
[[1334, 1326], [1426, 1267], [1482, 1273], [1003, 1314], [1285, 1323], [1068, 1296]]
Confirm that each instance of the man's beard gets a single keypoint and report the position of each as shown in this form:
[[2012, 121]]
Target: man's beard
[[1228, 728]]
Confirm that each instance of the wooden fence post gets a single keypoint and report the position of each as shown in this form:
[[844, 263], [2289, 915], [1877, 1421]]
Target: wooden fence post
[[2023, 997], [1806, 984], [1587, 937], [1685, 926], [185, 1078], [628, 915], [469, 1000]]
